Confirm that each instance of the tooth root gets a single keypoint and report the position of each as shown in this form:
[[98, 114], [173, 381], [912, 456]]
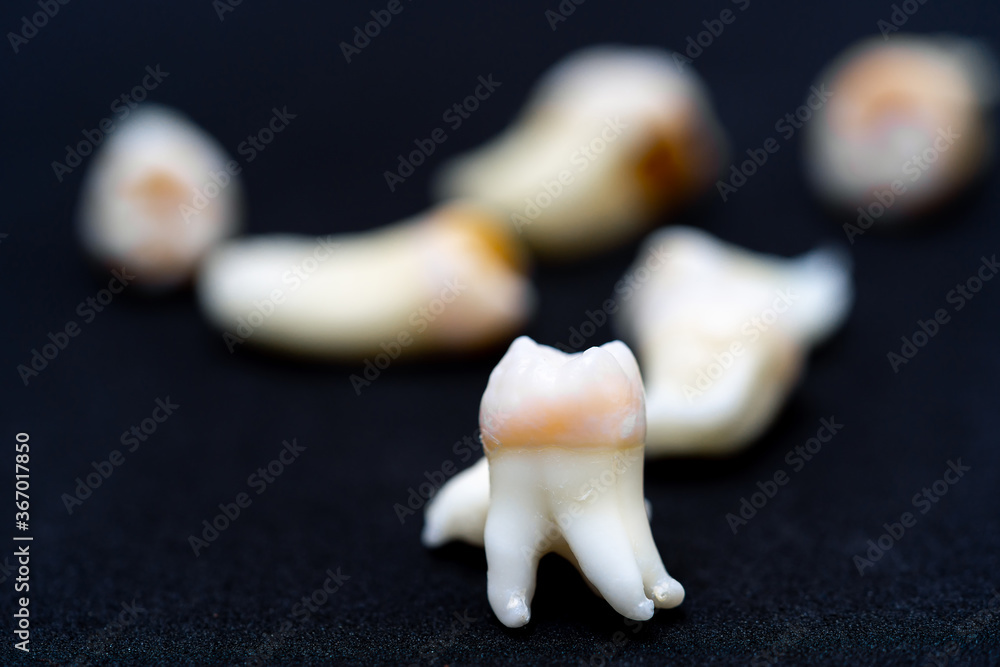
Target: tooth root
[[513, 549], [604, 550], [458, 510]]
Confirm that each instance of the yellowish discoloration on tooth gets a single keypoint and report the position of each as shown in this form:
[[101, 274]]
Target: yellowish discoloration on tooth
[[610, 138], [903, 125], [723, 334], [449, 279], [157, 197], [563, 472]]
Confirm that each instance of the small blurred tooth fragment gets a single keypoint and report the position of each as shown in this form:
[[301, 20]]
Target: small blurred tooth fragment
[[450, 279], [158, 195], [722, 334], [906, 126], [611, 138]]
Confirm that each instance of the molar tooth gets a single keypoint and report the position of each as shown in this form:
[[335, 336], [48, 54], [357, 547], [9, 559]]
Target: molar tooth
[[610, 138], [449, 279], [145, 202], [552, 486], [703, 395]]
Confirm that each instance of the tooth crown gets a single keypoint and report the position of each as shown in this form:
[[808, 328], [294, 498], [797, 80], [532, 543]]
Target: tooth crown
[[538, 397]]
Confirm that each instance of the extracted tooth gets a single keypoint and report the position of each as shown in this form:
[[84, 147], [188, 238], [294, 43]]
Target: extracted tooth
[[908, 123], [458, 510], [159, 194], [448, 279], [563, 434], [723, 334], [610, 139]]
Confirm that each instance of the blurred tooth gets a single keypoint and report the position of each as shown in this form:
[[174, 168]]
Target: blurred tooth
[[159, 194], [449, 279], [563, 435], [914, 111], [723, 334], [610, 139]]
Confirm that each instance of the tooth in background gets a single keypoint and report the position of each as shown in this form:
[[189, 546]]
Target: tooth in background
[[447, 279], [890, 102], [701, 299], [662, 147], [147, 198]]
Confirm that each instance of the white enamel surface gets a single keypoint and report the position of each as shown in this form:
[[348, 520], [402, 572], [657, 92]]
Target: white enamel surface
[[623, 100], [581, 498], [132, 209], [347, 296], [893, 101], [704, 397]]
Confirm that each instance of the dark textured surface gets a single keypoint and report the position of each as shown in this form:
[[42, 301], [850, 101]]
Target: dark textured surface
[[784, 589]]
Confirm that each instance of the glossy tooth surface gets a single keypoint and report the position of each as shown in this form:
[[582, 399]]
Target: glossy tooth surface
[[157, 197], [610, 138], [723, 334], [449, 279]]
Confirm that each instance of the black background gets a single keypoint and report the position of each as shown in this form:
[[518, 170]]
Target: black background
[[783, 589]]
